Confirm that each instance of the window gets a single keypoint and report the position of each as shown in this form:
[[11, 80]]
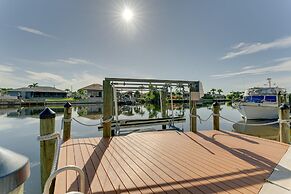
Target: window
[[270, 98]]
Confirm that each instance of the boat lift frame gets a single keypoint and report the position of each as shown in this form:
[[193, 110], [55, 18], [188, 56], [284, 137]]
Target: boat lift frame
[[112, 85]]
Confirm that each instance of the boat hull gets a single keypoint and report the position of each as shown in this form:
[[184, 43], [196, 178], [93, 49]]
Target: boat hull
[[258, 111]]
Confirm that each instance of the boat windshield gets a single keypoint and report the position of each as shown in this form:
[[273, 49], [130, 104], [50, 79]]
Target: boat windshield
[[256, 99], [260, 99], [270, 98]]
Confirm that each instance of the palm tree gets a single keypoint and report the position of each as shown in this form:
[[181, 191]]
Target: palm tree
[[33, 85], [213, 91], [219, 91]]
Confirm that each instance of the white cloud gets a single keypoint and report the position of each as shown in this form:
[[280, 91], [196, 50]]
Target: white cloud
[[248, 67], [45, 76], [34, 31], [77, 80], [6, 68], [75, 61], [250, 48], [284, 66]]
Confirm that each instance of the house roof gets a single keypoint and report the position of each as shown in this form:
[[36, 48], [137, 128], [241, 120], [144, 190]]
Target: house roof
[[93, 87], [38, 89]]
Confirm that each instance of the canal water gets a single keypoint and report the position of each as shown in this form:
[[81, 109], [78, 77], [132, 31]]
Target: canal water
[[19, 127]]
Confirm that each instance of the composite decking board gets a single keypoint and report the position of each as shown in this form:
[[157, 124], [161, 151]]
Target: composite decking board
[[184, 175], [207, 163], [112, 175], [188, 173], [96, 157], [159, 164], [159, 176], [72, 184], [225, 164], [172, 162], [119, 171], [92, 176], [232, 150], [61, 184], [190, 167], [138, 170], [139, 182], [80, 162]]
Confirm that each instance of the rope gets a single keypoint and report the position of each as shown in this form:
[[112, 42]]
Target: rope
[[235, 122], [200, 119], [85, 124], [52, 136]]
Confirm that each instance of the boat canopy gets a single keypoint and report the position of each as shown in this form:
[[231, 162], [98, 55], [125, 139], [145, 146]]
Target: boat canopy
[[264, 91]]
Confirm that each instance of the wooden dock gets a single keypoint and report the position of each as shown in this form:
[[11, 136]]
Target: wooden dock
[[170, 162]]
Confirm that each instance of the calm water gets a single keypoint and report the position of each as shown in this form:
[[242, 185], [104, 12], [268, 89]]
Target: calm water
[[19, 128]]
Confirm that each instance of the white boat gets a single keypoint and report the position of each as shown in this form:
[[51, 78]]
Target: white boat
[[261, 102]]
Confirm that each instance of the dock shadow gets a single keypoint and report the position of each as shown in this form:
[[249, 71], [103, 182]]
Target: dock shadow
[[93, 162]]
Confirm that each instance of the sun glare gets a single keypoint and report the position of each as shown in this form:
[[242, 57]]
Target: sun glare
[[127, 14]]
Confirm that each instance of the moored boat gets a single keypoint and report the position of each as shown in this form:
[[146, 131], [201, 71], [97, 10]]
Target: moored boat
[[261, 102]]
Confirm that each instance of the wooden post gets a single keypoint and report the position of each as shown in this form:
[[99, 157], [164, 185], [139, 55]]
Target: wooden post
[[164, 104], [193, 109], [279, 99], [47, 148], [107, 107], [67, 121], [216, 109], [284, 127]]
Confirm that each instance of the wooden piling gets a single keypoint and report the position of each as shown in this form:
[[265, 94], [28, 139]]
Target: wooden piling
[[216, 109], [47, 147], [107, 107], [164, 104], [284, 126], [67, 121], [193, 108]]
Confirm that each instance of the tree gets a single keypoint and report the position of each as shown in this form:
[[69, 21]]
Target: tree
[[213, 90], [33, 85], [219, 91]]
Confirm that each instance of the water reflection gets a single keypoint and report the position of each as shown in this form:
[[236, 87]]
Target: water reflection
[[268, 132]]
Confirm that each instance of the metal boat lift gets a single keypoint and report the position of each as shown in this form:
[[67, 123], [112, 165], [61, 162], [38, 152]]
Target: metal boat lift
[[112, 85]]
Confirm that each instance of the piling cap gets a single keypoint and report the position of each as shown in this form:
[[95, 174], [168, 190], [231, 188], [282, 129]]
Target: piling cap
[[47, 113], [215, 103], [68, 105], [14, 170], [284, 106]]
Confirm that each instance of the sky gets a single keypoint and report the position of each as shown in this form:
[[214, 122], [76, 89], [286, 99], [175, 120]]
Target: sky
[[225, 44]]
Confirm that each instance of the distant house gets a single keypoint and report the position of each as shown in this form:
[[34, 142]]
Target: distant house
[[37, 92], [94, 91]]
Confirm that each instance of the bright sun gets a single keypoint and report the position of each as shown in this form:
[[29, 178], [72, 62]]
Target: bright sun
[[127, 14]]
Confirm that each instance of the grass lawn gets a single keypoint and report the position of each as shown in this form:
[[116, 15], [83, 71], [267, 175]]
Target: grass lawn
[[59, 99]]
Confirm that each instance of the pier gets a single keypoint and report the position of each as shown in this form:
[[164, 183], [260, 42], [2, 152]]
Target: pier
[[170, 162]]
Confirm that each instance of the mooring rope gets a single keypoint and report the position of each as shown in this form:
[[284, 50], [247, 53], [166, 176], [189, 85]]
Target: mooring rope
[[101, 121], [235, 122], [52, 136]]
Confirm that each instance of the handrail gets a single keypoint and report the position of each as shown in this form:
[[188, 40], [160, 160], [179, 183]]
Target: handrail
[[60, 170]]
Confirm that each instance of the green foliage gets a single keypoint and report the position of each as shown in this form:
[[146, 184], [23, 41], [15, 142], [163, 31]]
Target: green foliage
[[33, 85], [80, 94], [234, 96]]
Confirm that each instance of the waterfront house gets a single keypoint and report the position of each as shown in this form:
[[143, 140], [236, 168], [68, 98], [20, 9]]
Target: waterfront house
[[37, 92], [94, 90]]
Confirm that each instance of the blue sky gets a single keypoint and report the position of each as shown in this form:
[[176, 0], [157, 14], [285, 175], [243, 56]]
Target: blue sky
[[226, 44]]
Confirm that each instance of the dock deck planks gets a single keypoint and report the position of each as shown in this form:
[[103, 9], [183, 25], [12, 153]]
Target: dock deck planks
[[170, 162]]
